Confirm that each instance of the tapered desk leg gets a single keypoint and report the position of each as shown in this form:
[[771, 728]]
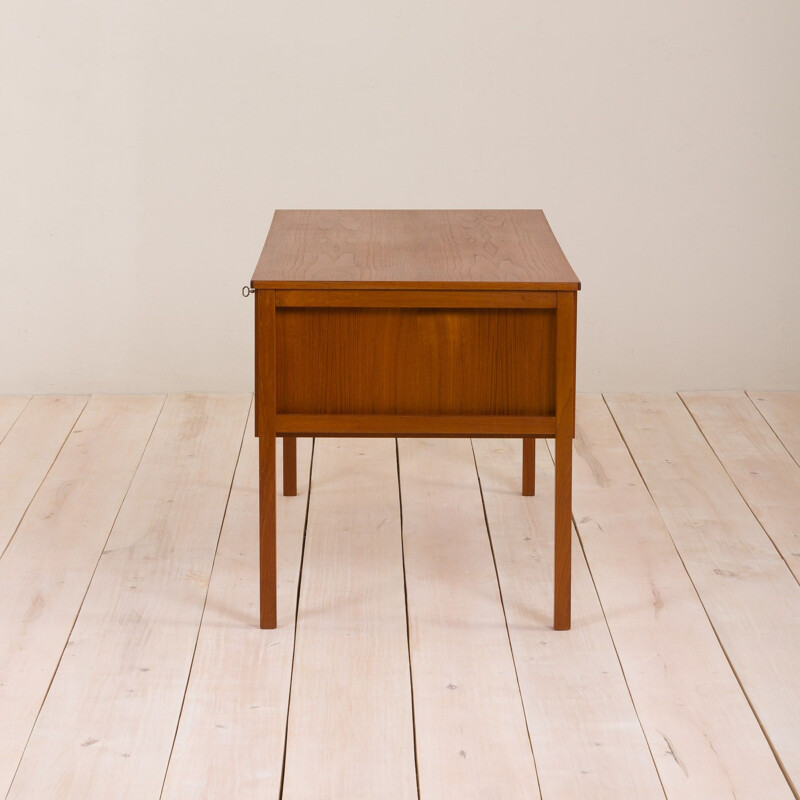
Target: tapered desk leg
[[563, 534], [289, 466], [528, 466]]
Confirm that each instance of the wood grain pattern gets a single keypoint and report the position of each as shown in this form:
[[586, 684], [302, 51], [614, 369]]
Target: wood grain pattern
[[110, 716], [471, 737], [703, 735], [585, 734], [231, 736], [398, 298], [47, 567], [751, 597], [265, 428], [355, 249], [390, 361], [528, 466], [388, 425], [764, 472], [289, 466], [350, 718], [27, 452], [782, 412], [565, 431], [416, 323], [11, 406]]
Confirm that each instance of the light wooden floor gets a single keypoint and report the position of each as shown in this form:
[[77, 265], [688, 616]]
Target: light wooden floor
[[414, 655]]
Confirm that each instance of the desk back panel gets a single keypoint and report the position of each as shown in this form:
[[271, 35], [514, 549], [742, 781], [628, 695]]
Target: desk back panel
[[459, 361]]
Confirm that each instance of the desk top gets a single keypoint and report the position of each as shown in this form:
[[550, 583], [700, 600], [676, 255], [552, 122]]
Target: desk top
[[412, 250]]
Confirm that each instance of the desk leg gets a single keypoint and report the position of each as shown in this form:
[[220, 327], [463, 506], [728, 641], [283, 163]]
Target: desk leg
[[566, 318], [267, 566], [528, 466], [563, 533], [265, 406], [289, 466]]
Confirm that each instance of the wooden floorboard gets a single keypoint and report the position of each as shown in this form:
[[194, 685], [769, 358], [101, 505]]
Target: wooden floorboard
[[350, 718], [28, 450], [782, 411], [109, 719], [586, 737], [47, 567], [131, 664], [11, 406], [230, 740], [750, 595], [703, 734], [471, 737], [764, 472]]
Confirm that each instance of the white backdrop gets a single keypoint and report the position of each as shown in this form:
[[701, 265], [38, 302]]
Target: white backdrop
[[144, 146]]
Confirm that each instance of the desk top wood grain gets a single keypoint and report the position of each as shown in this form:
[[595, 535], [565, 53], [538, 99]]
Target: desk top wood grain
[[412, 250]]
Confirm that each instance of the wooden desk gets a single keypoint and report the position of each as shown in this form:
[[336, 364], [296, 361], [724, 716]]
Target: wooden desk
[[414, 323]]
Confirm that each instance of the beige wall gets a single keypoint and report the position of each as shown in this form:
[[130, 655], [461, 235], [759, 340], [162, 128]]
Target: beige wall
[[145, 145]]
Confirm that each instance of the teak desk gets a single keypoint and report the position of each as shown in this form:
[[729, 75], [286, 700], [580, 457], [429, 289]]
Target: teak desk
[[414, 323]]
